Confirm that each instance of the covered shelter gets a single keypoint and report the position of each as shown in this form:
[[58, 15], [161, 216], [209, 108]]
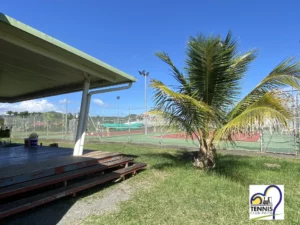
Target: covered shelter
[[35, 65]]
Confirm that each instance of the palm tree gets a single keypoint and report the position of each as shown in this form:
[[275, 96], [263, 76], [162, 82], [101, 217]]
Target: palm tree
[[204, 103]]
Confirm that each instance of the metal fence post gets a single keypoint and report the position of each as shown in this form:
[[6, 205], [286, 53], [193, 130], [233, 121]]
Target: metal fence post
[[261, 139], [129, 136]]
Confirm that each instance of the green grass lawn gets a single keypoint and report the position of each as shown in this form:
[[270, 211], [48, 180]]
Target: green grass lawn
[[171, 191]]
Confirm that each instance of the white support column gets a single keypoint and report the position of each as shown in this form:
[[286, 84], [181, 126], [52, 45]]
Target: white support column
[[81, 120], [86, 118], [84, 114]]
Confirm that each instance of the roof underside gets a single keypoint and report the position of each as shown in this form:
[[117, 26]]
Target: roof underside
[[34, 65]]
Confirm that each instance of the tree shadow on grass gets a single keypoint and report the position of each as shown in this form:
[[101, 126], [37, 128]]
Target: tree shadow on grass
[[236, 168], [241, 169], [170, 160]]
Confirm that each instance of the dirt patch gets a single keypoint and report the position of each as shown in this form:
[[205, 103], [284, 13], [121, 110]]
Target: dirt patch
[[68, 211], [98, 206]]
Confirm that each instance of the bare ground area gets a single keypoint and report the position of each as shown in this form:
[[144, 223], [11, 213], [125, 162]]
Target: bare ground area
[[98, 206], [74, 211]]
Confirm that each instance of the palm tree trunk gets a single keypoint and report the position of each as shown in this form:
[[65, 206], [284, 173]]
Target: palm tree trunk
[[206, 158]]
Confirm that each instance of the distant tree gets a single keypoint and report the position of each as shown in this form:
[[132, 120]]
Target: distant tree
[[16, 113], [9, 113], [70, 116], [24, 114]]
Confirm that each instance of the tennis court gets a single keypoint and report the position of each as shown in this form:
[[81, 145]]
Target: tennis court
[[270, 143], [278, 142]]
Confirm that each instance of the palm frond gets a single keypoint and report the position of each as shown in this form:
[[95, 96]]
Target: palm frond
[[215, 70], [184, 84], [163, 90], [287, 73], [172, 124], [182, 110], [268, 107]]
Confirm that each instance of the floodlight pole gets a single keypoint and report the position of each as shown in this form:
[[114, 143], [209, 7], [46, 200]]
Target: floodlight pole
[[145, 74], [118, 98]]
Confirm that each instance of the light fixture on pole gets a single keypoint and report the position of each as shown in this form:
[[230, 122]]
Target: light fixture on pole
[[145, 74]]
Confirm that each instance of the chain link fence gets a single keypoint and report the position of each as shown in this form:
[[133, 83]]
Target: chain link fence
[[131, 125]]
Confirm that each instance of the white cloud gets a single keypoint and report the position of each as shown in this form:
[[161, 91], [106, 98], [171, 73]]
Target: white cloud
[[31, 106], [98, 102], [64, 101]]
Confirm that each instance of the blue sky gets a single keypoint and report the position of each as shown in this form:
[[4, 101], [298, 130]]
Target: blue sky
[[126, 34]]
